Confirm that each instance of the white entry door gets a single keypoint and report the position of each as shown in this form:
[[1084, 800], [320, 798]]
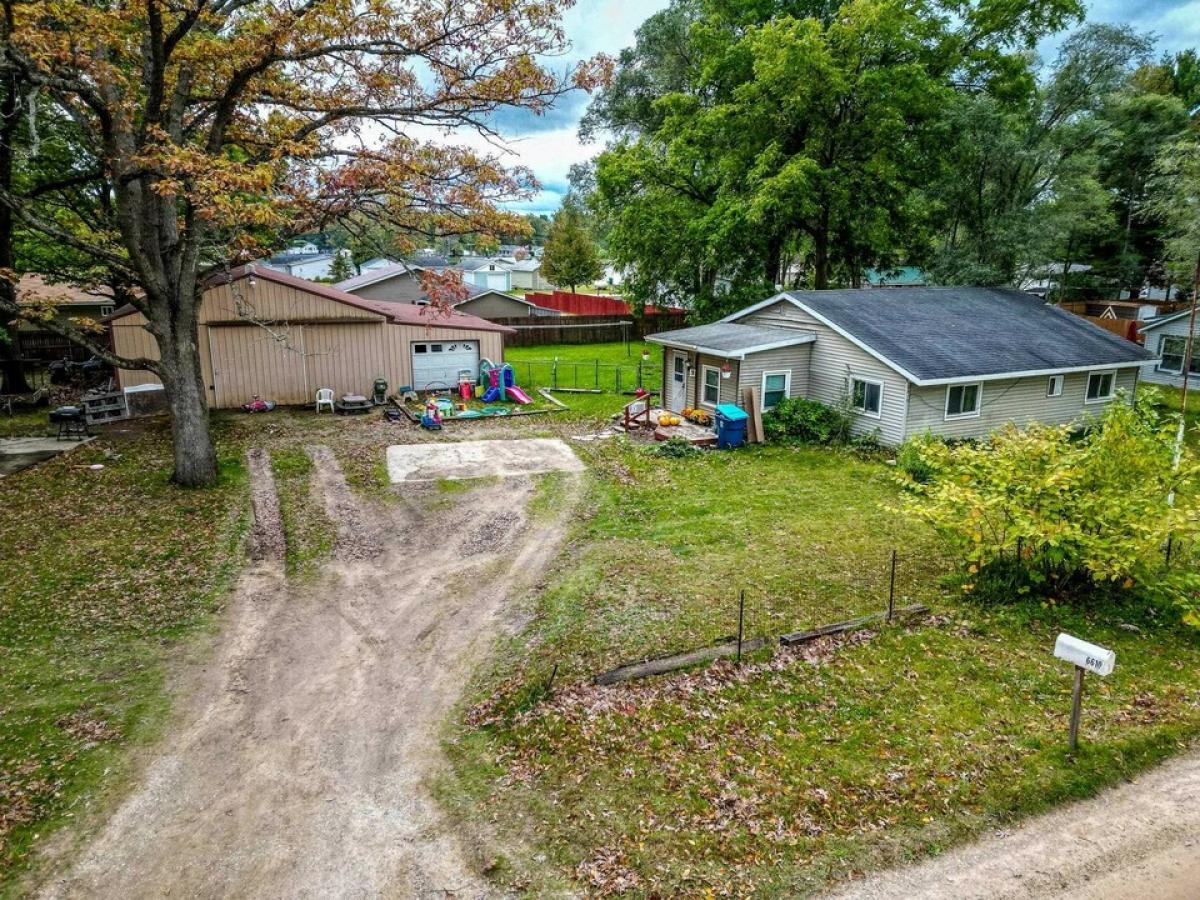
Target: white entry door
[[677, 398]]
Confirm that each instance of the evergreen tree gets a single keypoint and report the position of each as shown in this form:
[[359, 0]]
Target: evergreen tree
[[340, 269], [570, 256]]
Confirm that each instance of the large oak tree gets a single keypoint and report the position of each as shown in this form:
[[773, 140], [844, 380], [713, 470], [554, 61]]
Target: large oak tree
[[211, 130]]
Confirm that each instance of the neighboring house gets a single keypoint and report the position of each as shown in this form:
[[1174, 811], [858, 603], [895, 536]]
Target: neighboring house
[[1042, 279], [400, 284], [526, 275], [69, 302], [263, 332], [956, 362], [301, 263], [375, 262], [492, 274], [1166, 338], [611, 277], [900, 276]]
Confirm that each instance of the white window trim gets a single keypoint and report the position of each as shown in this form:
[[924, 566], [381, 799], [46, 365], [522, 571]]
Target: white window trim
[[1061, 380], [1088, 381], [704, 370], [974, 414], [866, 380], [787, 386], [1162, 342]]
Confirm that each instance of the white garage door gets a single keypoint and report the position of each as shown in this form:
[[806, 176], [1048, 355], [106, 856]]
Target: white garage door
[[436, 364]]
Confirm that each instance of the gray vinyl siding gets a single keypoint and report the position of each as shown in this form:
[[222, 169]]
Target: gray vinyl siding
[[1020, 401], [729, 386], [792, 359], [401, 287], [833, 360], [1150, 373], [494, 306]]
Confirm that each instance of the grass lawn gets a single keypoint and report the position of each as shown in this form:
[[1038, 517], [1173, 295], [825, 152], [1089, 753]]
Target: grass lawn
[[25, 423], [797, 771], [607, 366], [104, 571]]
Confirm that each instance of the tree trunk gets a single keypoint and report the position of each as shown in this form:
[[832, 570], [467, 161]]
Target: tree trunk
[[195, 458], [12, 376], [821, 259]]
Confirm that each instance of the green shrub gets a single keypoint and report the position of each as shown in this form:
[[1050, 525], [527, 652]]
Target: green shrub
[[1040, 510], [676, 448], [912, 460], [797, 419]]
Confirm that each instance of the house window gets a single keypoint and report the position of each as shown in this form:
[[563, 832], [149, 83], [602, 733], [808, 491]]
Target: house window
[[776, 386], [710, 390], [1101, 386], [679, 369], [419, 348], [962, 400], [1054, 387], [866, 396], [1172, 348], [106, 311]]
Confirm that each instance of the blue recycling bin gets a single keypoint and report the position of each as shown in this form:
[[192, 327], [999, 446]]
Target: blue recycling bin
[[731, 426]]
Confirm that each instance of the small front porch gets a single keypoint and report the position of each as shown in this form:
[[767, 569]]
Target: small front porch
[[708, 365], [641, 417]]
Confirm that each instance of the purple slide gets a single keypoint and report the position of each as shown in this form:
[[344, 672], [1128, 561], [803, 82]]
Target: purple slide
[[517, 395]]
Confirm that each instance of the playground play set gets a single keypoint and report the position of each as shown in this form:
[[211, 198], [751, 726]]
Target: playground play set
[[494, 386]]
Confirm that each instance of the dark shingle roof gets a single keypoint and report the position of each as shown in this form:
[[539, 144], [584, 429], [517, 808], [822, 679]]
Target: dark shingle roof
[[725, 338], [937, 333]]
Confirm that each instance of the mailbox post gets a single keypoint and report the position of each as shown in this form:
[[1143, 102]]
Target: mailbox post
[[1085, 657]]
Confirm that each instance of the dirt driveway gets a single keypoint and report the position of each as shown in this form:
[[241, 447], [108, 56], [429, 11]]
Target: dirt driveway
[[1141, 839], [301, 763]]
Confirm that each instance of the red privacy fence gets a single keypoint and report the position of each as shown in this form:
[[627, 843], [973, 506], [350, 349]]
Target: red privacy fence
[[591, 304]]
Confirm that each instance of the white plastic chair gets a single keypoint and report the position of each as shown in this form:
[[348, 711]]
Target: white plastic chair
[[325, 398]]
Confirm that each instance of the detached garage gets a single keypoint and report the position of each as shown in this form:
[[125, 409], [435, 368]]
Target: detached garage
[[282, 338]]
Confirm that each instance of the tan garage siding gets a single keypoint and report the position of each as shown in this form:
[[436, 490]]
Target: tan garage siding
[[306, 342], [1019, 401], [833, 360], [269, 301]]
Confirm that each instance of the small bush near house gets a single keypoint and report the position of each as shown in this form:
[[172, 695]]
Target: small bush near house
[[676, 448], [1037, 510], [807, 421], [913, 461]]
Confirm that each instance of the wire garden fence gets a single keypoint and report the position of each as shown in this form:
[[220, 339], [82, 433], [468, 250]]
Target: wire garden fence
[[588, 375]]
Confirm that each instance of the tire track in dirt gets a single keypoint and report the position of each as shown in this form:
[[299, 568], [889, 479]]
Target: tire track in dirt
[[266, 534], [358, 532], [302, 762]]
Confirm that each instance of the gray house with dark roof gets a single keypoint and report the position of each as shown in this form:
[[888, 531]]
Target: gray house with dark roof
[[399, 283], [954, 361]]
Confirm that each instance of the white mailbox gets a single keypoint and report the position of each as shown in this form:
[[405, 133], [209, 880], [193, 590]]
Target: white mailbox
[[1092, 657]]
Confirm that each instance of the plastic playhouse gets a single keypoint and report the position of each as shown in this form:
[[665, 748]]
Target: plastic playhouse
[[473, 397], [500, 383]]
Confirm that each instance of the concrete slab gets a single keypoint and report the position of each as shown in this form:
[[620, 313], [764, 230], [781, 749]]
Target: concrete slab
[[479, 459], [21, 453]]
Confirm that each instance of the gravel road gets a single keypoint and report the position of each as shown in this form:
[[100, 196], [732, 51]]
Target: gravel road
[[1138, 840]]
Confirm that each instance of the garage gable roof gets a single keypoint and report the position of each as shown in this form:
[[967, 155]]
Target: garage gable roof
[[398, 313]]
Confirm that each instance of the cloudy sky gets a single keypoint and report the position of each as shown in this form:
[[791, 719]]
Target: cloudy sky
[[549, 144]]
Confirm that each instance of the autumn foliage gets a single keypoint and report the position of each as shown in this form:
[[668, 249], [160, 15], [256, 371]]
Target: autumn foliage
[[205, 133], [1040, 511]]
